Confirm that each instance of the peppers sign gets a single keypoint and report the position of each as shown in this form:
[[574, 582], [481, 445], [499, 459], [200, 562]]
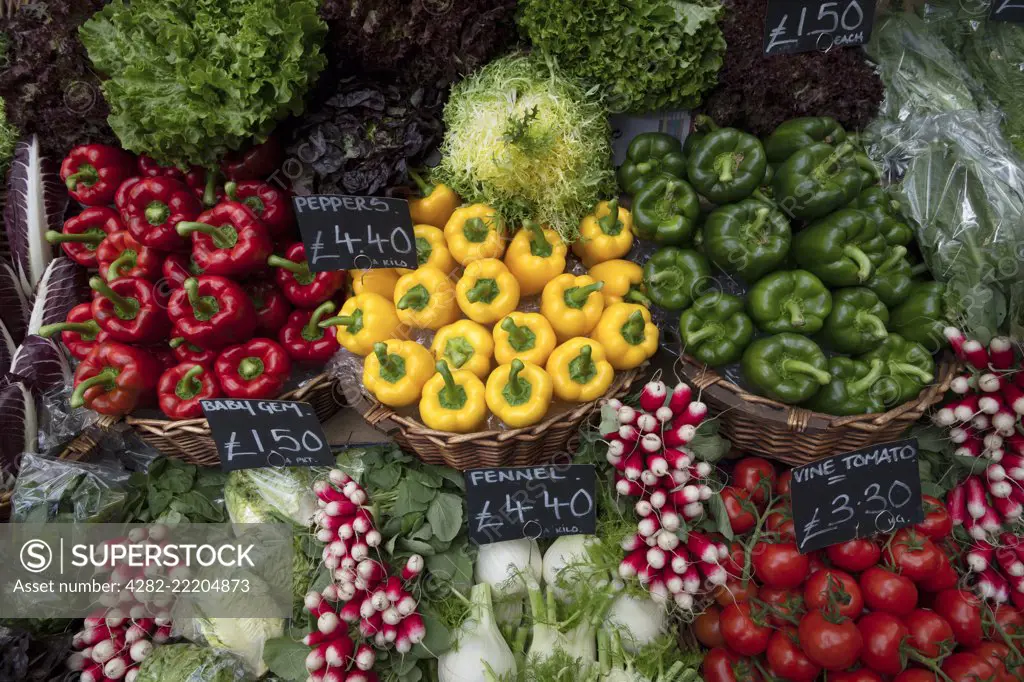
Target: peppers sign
[[876, 489], [792, 26], [1007, 10], [530, 502], [250, 434], [343, 232]]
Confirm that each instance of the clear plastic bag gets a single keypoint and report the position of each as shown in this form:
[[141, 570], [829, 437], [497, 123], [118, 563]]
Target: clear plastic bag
[[191, 663], [50, 490], [58, 422]]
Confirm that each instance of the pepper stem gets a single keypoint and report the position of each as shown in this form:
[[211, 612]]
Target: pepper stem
[[230, 189], [796, 313], [86, 174], [250, 368], [610, 223], [864, 385], [176, 341], [416, 298], [873, 323], [701, 334], [633, 330], [210, 191], [103, 378], [861, 259], [582, 368], [484, 291], [124, 306], [313, 328], [517, 386], [127, 257], [897, 254], [224, 237], [89, 328], [340, 321], [450, 392], [157, 213], [825, 168], [519, 337], [636, 296], [913, 370], [475, 230], [299, 269], [801, 367], [704, 122], [426, 189], [380, 349], [576, 297], [726, 168], [760, 218], [204, 307], [189, 384], [54, 237], [539, 244]]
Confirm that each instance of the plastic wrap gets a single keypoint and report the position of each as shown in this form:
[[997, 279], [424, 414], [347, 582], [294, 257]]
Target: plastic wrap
[[58, 422], [994, 54], [268, 495], [51, 490], [190, 663]]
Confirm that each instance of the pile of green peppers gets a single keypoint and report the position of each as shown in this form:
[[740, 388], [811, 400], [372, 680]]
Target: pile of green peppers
[[828, 263]]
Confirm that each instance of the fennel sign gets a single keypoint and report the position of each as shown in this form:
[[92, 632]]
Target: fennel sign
[[345, 232], [792, 26], [266, 433], [530, 502], [876, 489]]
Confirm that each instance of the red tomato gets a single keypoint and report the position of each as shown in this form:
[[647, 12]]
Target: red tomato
[[780, 520], [996, 655], [854, 555], [937, 523], [840, 586], [929, 632], [883, 633], [721, 665], [742, 520], [817, 563], [862, 675], [708, 628], [962, 610], [741, 633], [1009, 620], [756, 476], [785, 606], [944, 577], [833, 646], [734, 592], [886, 591], [913, 555], [787, 660], [784, 483], [916, 675], [780, 564], [964, 667]]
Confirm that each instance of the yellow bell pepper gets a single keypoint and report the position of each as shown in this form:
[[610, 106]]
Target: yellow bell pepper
[[535, 256], [579, 370], [605, 234], [475, 232], [425, 298], [432, 249], [379, 281], [527, 336], [396, 371], [487, 291], [365, 319], [436, 205], [572, 304], [465, 345], [627, 334], [519, 393], [623, 280], [453, 401]]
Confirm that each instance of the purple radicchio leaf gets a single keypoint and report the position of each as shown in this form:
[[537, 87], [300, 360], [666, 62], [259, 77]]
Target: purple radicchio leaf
[[14, 307], [18, 426], [7, 347], [58, 291], [42, 364], [36, 201]]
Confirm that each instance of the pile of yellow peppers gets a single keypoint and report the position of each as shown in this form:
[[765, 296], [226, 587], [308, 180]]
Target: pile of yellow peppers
[[486, 355]]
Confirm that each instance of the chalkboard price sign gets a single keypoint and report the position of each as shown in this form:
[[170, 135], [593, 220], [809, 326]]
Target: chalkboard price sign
[[1007, 10], [856, 494], [343, 232], [530, 502], [266, 433], [816, 25]]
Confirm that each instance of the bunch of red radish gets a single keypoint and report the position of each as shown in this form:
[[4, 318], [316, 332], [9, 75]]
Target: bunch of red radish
[[983, 421], [363, 609], [649, 453]]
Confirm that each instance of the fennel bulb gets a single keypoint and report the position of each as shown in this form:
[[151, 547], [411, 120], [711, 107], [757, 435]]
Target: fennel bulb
[[639, 621], [564, 552], [478, 642], [507, 566]]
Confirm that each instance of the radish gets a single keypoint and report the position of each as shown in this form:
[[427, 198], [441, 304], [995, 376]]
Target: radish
[[365, 657], [652, 396], [337, 651], [1000, 352], [680, 398]]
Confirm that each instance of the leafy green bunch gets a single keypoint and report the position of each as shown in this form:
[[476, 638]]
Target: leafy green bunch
[[190, 80]]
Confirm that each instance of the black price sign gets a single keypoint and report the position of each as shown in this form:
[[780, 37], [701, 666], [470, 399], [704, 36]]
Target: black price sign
[[815, 25], [1007, 10], [342, 232], [266, 433], [857, 494], [530, 502]]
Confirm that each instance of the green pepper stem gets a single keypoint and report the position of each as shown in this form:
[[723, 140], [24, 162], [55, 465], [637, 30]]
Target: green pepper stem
[[210, 191], [485, 290], [610, 224], [576, 297], [760, 218], [586, 359], [380, 349], [125, 306], [894, 205], [416, 298], [127, 257], [913, 370], [200, 304], [89, 328], [224, 237], [339, 321], [796, 313], [726, 168], [539, 244], [475, 230], [517, 336], [897, 254], [86, 174], [176, 341], [231, 189], [516, 385], [250, 368], [833, 158], [873, 323], [801, 367], [637, 296], [861, 259], [313, 328], [54, 237], [451, 389], [919, 269], [864, 384], [704, 332], [426, 189], [633, 330], [157, 213], [276, 261], [105, 377], [189, 384], [704, 122], [662, 275]]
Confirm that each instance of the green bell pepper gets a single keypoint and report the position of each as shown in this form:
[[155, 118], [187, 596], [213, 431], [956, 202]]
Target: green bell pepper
[[839, 248], [786, 367], [666, 210], [884, 210], [793, 135], [727, 165], [715, 330], [854, 389], [857, 322], [908, 366], [748, 238], [699, 128], [649, 154], [817, 180], [922, 316], [674, 277], [892, 279], [789, 301]]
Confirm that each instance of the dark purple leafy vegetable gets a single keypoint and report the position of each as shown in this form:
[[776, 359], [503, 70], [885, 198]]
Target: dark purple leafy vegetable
[[18, 426], [7, 347], [42, 364], [62, 286], [14, 306]]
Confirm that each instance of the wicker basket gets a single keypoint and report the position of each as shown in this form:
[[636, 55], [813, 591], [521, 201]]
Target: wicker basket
[[512, 447], [190, 439], [798, 436], [80, 447]]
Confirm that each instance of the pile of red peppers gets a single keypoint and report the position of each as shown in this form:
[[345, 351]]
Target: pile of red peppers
[[201, 286]]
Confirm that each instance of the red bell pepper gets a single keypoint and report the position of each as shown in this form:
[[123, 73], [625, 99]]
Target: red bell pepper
[[79, 332], [130, 309], [182, 387], [270, 205], [212, 312], [304, 288], [152, 209], [257, 368], [272, 308], [81, 236], [116, 378], [303, 338], [228, 240], [257, 162], [148, 167], [178, 267], [93, 172], [187, 352], [164, 355], [120, 255], [121, 196]]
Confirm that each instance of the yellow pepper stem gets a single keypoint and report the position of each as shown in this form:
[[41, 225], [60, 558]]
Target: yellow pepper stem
[[352, 323], [633, 330], [576, 297], [610, 224], [517, 391], [484, 291], [539, 244], [582, 368], [452, 396], [521, 338], [392, 365], [416, 298]]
